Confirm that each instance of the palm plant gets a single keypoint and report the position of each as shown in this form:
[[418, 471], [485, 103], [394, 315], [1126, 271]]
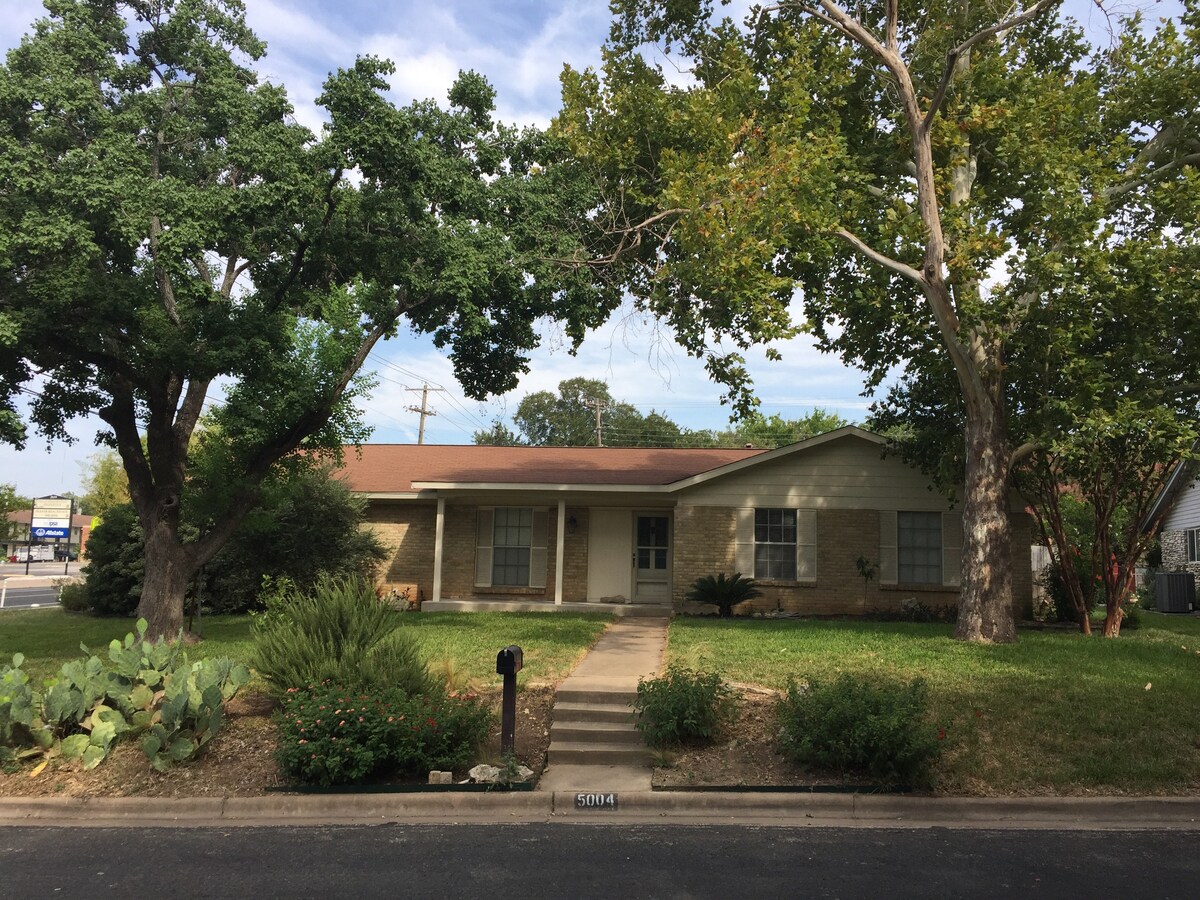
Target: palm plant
[[724, 593]]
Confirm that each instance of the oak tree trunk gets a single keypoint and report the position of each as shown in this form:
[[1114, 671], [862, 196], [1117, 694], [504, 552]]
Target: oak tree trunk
[[169, 568]]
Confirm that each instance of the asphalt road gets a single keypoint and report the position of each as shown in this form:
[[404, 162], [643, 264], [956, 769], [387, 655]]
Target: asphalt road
[[537, 862], [30, 597]]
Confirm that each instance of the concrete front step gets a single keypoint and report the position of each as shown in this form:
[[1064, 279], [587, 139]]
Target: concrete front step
[[587, 753], [595, 732], [569, 711], [595, 697]]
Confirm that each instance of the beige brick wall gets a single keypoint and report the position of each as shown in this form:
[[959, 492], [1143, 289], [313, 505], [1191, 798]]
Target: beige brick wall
[[458, 555], [704, 545], [575, 555], [407, 531]]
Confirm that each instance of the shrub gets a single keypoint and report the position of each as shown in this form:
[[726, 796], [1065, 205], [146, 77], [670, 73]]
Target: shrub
[[330, 736], [115, 563], [861, 726], [73, 596], [339, 632], [723, 593], [681, 706]]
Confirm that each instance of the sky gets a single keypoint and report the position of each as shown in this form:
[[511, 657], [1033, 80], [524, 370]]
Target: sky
[[521, 47]]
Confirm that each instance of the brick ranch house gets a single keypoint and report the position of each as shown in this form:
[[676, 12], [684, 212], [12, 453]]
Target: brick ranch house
[[498, 527]]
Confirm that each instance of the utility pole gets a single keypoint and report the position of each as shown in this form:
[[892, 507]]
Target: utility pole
[[423, 409], [599, 406]]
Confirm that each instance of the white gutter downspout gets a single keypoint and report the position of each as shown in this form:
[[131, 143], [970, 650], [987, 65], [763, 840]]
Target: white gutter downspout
[[559, 552], [438, 530]]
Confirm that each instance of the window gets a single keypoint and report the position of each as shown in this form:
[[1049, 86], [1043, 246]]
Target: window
[[512, 537], [919, 547], [775, 544], [1193, 545]]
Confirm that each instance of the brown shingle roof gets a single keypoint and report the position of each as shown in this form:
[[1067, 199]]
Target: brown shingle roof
[[387, 468]]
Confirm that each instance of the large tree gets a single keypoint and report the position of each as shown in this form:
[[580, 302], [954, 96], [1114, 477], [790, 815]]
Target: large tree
[[884, 161], [167, 227]]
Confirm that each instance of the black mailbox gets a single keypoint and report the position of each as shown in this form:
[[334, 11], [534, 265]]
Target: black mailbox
[[509, 661]]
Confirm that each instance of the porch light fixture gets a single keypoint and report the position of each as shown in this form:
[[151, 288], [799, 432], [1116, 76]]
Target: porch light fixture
[[571, 524]]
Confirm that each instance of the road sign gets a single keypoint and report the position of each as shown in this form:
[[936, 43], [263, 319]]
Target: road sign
[[51, 532]]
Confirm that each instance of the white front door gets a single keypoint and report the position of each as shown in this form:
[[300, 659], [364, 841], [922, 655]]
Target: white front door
[[652, 558], [610, 548]]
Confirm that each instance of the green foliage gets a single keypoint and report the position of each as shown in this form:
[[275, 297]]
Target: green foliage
[[115, 563], [862, 726], [682, 706], [338, 632], [723, 593], [332, 736], [10, 501], [18, 704], [165, 202], [305, 524], [72, 596], [190, 710], [148, 687], [105, 483], [566, 420]]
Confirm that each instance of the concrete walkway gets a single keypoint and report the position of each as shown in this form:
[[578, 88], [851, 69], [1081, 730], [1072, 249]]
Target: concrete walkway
[[605, 682]]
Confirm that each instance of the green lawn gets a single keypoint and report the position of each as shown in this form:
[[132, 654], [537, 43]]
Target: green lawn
[[1055, 712], [467, 642]]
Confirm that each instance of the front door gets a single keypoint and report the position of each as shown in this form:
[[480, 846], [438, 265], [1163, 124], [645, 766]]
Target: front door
[[652, 558]]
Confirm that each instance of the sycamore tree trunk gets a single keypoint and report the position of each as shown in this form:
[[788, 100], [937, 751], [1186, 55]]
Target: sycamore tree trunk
[[985, 610]]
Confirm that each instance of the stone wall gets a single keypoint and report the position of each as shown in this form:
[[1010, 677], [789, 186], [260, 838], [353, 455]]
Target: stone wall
[[1174, 553]]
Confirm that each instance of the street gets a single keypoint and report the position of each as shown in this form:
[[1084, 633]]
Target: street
[[534, 862], [21, 591]]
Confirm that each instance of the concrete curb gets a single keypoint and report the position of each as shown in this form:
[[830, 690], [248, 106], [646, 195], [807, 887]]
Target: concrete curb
[[786, 809]]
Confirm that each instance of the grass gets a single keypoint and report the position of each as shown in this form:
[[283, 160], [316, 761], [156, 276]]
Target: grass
[[1053, 713], [468, 642]]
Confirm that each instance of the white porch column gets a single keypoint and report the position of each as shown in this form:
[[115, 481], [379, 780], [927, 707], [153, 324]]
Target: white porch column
[[559, 552], [438, 530]]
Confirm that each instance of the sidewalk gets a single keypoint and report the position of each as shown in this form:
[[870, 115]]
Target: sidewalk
[[635, 807], [594, 746]]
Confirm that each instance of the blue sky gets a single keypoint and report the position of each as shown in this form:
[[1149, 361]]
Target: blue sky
[[521, 46]]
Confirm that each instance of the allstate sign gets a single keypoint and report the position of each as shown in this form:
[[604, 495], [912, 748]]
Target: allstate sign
[[50, 532]]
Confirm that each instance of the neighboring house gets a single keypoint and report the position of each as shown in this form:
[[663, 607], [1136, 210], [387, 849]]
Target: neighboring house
[[638, 526], [1178, 507]]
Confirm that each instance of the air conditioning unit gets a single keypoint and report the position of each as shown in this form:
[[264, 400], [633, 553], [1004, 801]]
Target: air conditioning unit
[[1175, 592]]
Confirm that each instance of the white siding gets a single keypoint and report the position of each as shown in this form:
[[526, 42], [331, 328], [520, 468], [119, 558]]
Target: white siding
[[1185, 513]]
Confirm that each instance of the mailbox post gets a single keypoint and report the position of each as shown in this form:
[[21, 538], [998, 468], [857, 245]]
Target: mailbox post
[[508, 663]]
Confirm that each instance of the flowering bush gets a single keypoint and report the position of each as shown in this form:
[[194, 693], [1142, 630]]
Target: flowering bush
[[329, 735]]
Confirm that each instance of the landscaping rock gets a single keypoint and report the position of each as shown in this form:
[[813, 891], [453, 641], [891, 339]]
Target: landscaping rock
[[485, 774], [436, 777]]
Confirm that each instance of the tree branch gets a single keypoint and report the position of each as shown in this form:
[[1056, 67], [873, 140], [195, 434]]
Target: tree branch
[[875, 256], [939, 96], [1116, 191]]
